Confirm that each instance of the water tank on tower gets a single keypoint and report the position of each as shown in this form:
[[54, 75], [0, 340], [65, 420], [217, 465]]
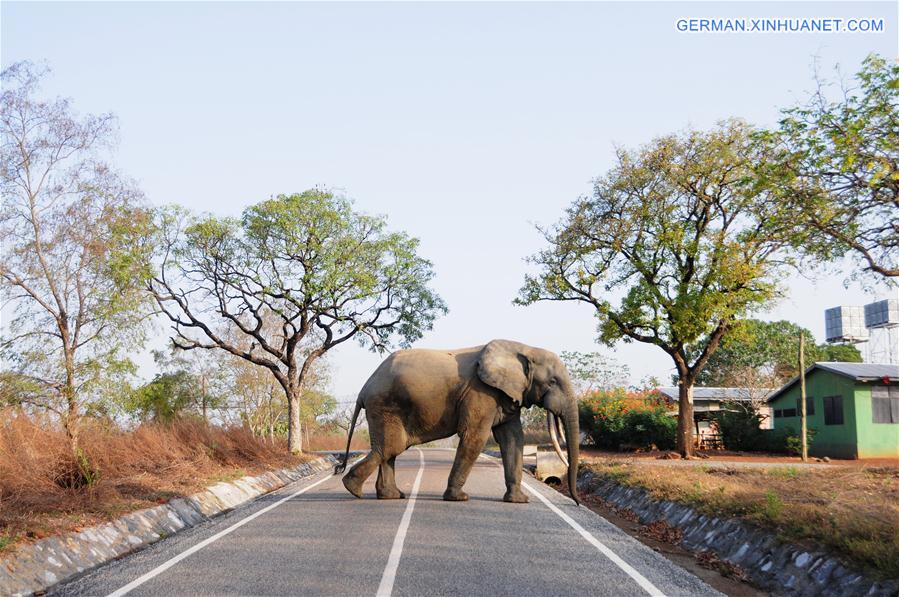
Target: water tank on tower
[[845, 324]]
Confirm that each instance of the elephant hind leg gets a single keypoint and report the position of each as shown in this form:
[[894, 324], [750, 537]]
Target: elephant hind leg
[[394, 442], [386, 484], [361, 471], [471, 442]]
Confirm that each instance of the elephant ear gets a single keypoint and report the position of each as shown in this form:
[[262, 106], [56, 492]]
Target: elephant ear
[[503, 366]]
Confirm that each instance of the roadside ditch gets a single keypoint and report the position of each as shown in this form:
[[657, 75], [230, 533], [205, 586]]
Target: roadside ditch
[[734, 557]]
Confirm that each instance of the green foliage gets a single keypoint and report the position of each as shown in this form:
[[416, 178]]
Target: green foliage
[[844, 353], [785, 440], [164, 399], [317, 404], [310, 260], [76, 471], [793, 440], [787, 472], [89, 473], [615, 419], [767, 353], [773, 506], [837, 168], [739, 425]]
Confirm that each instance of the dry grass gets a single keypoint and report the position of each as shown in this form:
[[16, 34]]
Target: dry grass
[[852, 511], [47, 488], [321, 440]]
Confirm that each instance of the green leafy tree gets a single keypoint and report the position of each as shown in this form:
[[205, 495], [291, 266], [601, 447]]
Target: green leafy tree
[[838, 353], [767, 352], [211, 381], [294, 277], [676, 228], [837, 172], [166, 398], [76, 248]]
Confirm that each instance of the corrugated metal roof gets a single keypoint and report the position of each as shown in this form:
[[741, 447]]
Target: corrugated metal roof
[[856, 371], [707, 393], [862, 371]]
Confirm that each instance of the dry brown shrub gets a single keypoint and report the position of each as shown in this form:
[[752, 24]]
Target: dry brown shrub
[[323, 440], [49, 486]]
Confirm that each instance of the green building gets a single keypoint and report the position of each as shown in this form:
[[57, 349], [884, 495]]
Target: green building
[[853, 408]]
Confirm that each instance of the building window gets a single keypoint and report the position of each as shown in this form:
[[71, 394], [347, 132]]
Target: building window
[[778, 413], [885, 404], [789, 412], [833, 410], [809, 405]]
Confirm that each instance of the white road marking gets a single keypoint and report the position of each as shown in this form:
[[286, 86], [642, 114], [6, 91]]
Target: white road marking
[[393, 562], [168, 564], [627, 568]]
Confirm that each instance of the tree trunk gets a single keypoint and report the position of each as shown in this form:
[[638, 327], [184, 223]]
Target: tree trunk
[[685, 416], [203, 394], [294, 427], [70, 423]]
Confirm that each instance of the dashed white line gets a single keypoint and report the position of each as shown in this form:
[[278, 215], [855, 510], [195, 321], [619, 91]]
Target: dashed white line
[[393, 561], [168, 564]]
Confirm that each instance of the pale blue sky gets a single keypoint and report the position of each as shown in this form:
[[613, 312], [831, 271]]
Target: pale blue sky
[[464, 123]]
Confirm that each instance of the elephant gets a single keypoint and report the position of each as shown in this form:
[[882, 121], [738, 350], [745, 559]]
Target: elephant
[[420, 395]]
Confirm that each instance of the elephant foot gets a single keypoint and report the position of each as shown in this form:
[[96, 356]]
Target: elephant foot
[[391, 494], [455, 495], [515, 496], [353, 486]]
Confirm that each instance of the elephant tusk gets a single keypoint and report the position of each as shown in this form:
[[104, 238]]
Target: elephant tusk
[[560, 431], [552, 423]]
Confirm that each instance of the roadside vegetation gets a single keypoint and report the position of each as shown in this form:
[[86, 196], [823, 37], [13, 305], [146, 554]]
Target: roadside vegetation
[[46, 488], [852, 511]]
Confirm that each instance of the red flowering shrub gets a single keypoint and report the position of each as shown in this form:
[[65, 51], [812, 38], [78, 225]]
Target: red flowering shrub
[[615, 418]]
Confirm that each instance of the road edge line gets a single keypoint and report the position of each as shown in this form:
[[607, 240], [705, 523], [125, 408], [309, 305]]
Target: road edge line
[[385, 588], [641, 580], [195, 548]]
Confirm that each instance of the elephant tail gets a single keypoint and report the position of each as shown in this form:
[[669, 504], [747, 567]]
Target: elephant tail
[[342, 466]]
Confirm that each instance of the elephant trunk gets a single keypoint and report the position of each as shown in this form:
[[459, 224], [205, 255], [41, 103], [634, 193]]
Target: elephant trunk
[[569, 417], [573, 433]]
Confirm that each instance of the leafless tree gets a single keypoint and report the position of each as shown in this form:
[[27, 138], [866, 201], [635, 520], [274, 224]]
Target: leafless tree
[[75, 251]]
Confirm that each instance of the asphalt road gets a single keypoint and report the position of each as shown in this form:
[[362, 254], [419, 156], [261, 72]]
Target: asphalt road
[[314, 538]]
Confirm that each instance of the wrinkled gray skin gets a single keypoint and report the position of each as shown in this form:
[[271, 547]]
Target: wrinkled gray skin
[[417, 396]]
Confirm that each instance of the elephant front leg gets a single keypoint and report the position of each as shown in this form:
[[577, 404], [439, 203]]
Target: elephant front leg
[[510, 438], [471, 443]]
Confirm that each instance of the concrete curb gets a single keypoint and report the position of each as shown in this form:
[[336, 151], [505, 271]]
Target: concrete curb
[[41, 565], [775, 566]]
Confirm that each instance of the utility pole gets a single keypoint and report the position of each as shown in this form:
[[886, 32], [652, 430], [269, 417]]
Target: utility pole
[[802, 406]]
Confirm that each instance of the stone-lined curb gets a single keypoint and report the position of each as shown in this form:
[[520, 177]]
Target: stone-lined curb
[[41, 565], [778, 567]]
